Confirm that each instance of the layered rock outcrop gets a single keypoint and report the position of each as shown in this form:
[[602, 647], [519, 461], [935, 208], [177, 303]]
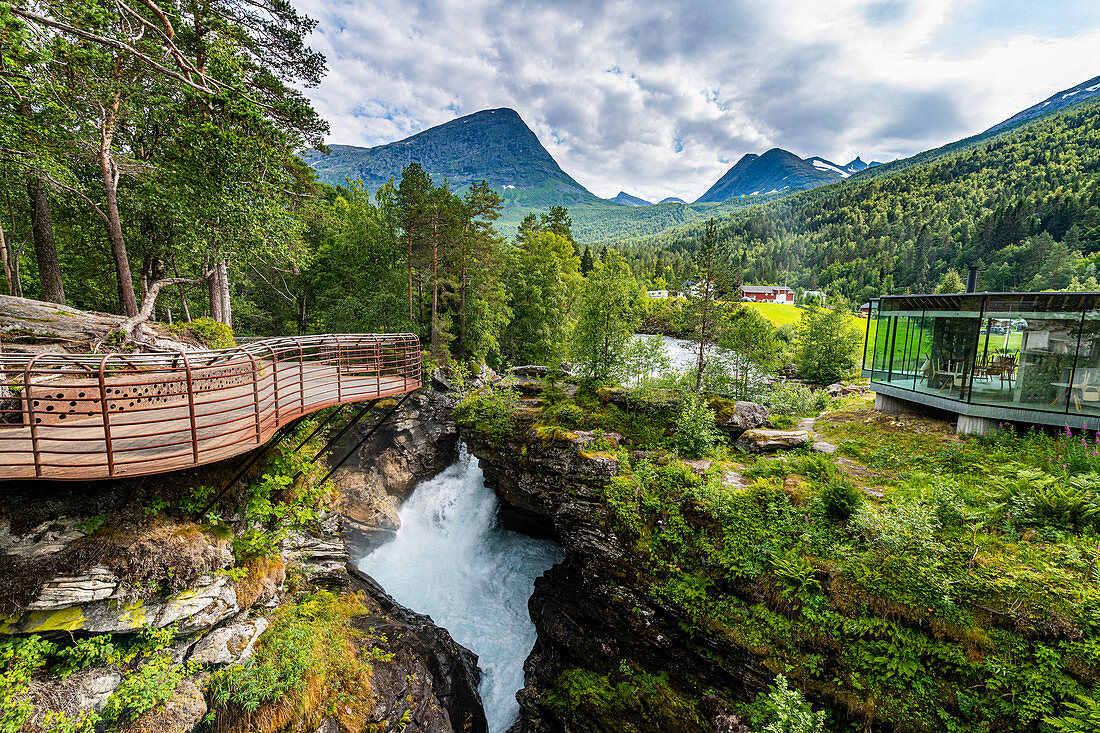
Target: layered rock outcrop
[[107, 559], [591, 611], [415, 444]]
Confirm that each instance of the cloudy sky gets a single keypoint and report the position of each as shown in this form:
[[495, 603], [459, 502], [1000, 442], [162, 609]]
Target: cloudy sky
[[659, 97]]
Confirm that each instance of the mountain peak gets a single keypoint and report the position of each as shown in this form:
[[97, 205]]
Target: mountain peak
[[494, 145], [626, 199], [1056, 101], [775, 171]]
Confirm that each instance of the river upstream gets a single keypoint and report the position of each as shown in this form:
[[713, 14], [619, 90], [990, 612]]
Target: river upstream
[[451, 560]]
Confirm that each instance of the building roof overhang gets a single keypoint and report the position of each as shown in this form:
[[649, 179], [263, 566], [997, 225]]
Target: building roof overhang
[[992, 301]]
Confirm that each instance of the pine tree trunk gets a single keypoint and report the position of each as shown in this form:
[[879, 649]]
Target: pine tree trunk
[[462, 313], [127, 300], [183, 296], [214, 298], [435, 283], [45, 247], [5, 257], [223, 293]]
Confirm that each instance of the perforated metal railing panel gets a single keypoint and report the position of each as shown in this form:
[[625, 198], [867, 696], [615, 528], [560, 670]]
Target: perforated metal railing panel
[[81, 417]]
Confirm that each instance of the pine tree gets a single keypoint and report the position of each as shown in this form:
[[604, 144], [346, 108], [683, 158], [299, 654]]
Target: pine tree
[[586, 261]]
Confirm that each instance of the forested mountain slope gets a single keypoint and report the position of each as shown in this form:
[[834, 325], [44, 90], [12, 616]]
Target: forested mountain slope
[[1024, 204]]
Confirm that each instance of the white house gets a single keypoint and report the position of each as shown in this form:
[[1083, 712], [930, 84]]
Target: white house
[[656, 294]]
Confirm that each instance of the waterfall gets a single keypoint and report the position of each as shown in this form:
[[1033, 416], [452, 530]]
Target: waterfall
[[451, 560]]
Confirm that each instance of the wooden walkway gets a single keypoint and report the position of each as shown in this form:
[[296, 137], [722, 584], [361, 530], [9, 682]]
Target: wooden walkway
[[70, 417]]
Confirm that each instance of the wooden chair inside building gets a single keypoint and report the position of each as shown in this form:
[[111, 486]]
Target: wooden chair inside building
[[1002, 366], [949, 375], [1088, 390]]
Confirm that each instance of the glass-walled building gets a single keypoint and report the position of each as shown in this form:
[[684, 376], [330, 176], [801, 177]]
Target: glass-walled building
[[1021, 357]]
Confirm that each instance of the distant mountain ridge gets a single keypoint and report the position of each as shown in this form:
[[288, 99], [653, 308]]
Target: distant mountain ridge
[[1054, 102], [778, 171], [775, 171], [493, 145], [625, 199]]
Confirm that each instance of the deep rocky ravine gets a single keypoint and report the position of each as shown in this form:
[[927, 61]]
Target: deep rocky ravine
[[452, 560]]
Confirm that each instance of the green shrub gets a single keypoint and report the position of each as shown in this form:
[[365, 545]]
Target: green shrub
[[840, 500], [1082, 716], [489, 411], [306, 667], [786, 711], [696, 430], [828, 345], [797, 399], [149, 677], [899, 529], [781, 422], [214, 334]]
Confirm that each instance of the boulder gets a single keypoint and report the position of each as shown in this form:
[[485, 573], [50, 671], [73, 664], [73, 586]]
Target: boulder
[[764, 441], [745, 416], [96, 686], [229, 644], [840, 389], [699, 467], [484, 376]]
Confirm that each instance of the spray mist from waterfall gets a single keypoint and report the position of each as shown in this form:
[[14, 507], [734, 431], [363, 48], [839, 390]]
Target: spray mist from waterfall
[[451, 560]]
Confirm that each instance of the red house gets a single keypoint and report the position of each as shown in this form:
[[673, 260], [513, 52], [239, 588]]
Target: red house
[[767, 293]]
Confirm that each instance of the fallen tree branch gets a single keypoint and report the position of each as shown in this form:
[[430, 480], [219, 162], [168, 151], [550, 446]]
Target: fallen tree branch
[[127, 327]]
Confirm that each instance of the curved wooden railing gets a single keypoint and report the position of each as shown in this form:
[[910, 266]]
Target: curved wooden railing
[[88, 416]]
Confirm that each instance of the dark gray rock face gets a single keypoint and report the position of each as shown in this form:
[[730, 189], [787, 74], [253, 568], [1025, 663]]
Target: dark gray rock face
[[413, 445], [588, 610], [430, 675]]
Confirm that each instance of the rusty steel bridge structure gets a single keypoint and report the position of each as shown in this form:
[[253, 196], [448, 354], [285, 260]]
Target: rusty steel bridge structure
[[79, 417]]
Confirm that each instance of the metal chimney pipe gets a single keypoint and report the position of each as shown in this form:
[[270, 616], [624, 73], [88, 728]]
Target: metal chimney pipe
[[972, 279]]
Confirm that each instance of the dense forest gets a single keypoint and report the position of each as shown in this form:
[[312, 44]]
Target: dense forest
[[150, 168], [1023, 204]]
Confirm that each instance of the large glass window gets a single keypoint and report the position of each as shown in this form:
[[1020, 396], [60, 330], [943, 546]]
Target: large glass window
[[1084, 393], [946, 367], [880, 356], [901, 362], [872, 334], [1028, 360]]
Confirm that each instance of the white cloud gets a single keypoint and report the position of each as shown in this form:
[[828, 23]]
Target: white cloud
[[660, 98]]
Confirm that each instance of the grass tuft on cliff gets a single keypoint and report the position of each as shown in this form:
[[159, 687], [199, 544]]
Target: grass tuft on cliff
[[307, 668]]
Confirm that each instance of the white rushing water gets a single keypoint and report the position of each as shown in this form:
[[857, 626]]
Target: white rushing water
[[451, 560], [682, 354]]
